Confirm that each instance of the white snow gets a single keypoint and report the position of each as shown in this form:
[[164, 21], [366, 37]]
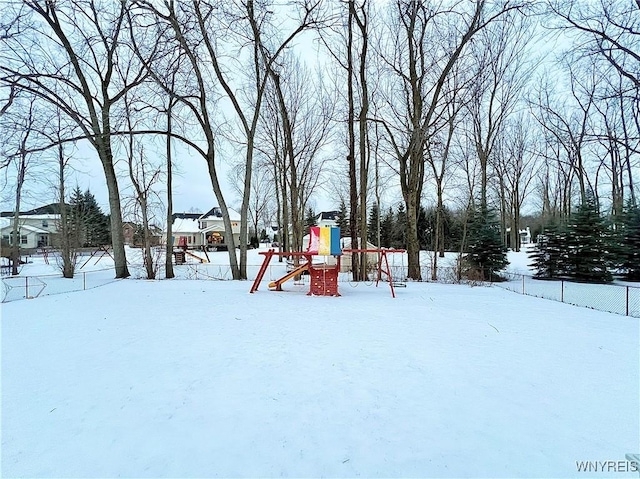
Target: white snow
[[181, 378]]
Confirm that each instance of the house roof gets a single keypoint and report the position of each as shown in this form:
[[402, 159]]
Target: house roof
[[185, 225], [185, 216], [6, 223], [216, 213], [329, 215], [190, 222], [50, 209]]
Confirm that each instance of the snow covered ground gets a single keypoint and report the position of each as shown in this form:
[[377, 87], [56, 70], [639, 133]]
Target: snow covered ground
[[188, 378]]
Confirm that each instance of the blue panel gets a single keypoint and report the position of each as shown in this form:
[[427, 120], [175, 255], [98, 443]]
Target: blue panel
[[335, 241]]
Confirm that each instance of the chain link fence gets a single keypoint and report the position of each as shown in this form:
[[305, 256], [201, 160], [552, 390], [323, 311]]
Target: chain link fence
[[612, 298], [619, 299], [28, 287]]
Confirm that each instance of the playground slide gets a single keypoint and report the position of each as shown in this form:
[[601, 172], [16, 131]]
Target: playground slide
[[278, 282], [202, 260]]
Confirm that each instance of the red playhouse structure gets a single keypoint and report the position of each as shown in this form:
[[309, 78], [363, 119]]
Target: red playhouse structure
[[323, 278]]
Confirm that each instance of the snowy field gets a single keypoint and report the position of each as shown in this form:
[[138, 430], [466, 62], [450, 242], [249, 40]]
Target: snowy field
[[202, 379]]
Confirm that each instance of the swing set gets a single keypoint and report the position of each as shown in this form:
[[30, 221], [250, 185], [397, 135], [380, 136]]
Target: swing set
[[325, 241], [383, 266]]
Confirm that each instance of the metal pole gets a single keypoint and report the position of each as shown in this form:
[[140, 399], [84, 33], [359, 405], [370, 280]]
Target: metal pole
[[26, 287], [523, 284], [627, 301], [84, 280], [562, 290]]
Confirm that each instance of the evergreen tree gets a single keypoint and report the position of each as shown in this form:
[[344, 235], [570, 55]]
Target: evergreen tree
[[343, 220], [549, 256], [486, 254], [452, 227], [372, 229], [87, 222], [309, 220], [399, 233], [630, 243], [426, 225], [96, 223], [589, 242], [387, 226], [75, 218]]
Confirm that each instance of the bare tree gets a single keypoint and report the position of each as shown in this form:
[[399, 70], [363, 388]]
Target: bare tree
[[143, 176], [193, 27], [609, 29], [68, 58], [568, 122], [606, 34], [502, 69], [299, 117], [20, 158], [515, 167], [424, 46]]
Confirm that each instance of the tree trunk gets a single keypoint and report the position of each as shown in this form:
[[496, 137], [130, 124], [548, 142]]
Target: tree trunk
[[413, 246], [351, 156], [168, 260], [15, 233]]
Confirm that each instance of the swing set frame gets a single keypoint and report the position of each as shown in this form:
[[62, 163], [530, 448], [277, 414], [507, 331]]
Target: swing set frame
[[383, 263]]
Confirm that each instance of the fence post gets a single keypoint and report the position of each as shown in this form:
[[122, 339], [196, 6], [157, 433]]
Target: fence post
[[627, 308], [523, 284], [562, 290], [26, 287], [84, 280]]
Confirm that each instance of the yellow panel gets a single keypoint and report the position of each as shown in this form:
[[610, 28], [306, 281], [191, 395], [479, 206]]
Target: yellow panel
[[325, 241]]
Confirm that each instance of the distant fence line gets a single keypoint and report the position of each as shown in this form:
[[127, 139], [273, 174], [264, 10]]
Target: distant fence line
[[19, 287], [613, 298]]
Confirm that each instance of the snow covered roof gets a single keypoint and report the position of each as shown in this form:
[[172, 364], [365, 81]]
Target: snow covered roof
[[185, 225], [191, 222], [6, 223], [36, 217], [216, 213]]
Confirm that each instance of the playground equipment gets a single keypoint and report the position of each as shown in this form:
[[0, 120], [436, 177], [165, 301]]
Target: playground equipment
[[324, 278], [181, 255], [277, 284], [383, 266]]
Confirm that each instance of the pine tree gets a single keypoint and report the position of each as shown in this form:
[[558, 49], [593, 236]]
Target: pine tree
[[589, 242], [387, 226], [426, 225], [485, 253], [399, 233], [310, 220], [87, 222], [372, 229], [630, 243], [97, 228], [550, 254], [343, 220]]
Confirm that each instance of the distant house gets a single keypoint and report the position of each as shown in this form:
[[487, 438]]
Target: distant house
[[197, 231], [525, 236], [128, 230], [36, 227], [328, 218]]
